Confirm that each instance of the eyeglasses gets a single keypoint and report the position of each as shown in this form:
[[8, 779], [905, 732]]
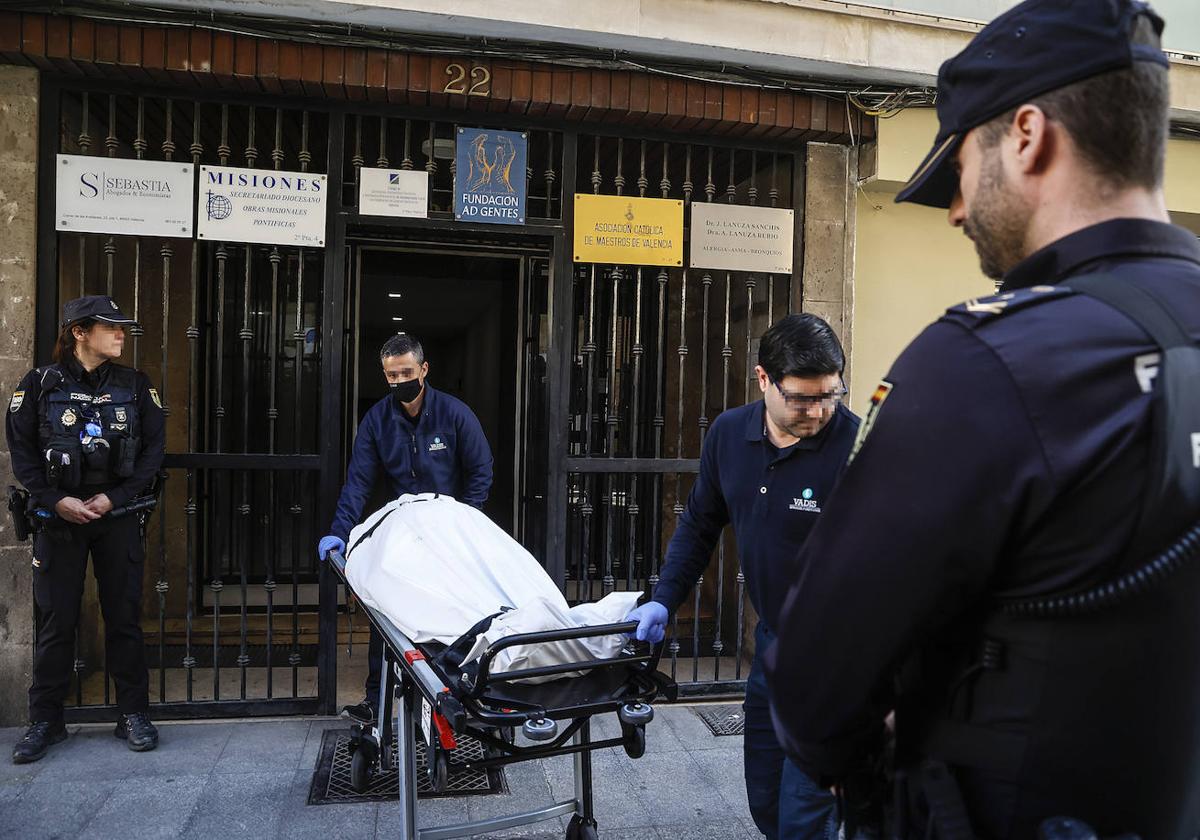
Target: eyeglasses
[[825, 401]]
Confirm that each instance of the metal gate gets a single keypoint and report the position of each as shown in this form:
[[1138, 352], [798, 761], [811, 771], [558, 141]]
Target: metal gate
[[229, 336], [656, 354], [624, 369]]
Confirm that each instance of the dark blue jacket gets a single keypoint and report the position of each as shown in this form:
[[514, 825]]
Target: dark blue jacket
[[444, 452], [1006, 457], [771, 496]]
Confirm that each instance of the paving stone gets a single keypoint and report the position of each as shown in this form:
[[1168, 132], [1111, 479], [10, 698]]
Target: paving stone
[[55, 810], [616, 804], [446, 810], [10, 792], [528, 790], [299, 820], [626, 834], [240, 805], [694, 735], [660, 737], [676, 790], [726, 771], [263, 746], [710, 831], [93, 752], [311, 751], [146, 809]]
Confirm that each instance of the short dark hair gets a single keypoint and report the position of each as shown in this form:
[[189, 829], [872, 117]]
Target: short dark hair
[[1118, 120], [800, 345], [399, 345]]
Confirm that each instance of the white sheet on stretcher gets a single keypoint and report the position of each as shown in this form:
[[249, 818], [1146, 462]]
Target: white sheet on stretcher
[[436, 567]]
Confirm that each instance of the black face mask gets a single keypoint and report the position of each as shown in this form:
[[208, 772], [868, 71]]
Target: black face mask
[[406, 392]]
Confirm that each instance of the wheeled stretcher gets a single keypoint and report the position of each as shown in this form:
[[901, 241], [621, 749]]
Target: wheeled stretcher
[[442, 701]]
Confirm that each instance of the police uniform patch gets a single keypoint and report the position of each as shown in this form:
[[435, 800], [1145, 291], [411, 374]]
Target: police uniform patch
[[18, 398], [882, 390], [120, 414], [154, 396], [68, 417]]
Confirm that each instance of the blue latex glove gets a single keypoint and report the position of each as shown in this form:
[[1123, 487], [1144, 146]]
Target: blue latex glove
[[328, 544], [652, 622]]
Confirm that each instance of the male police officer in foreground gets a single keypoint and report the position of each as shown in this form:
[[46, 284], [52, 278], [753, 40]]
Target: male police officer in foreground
[[423, 441], [86, 437], [1008, 470], [767, 468]]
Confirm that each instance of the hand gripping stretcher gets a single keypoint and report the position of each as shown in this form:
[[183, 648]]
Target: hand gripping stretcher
[[442, 702]]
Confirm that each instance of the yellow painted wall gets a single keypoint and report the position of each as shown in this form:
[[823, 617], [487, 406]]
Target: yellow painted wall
[[910, 264]]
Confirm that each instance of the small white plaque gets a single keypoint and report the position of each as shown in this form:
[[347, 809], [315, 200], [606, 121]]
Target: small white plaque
[[131, 197], [393, 192], [734, 237]]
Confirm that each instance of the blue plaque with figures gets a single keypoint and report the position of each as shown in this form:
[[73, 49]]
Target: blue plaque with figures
[[489, 176]]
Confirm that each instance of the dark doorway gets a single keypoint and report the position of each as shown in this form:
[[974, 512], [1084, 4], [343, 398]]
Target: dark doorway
[[465, 310]]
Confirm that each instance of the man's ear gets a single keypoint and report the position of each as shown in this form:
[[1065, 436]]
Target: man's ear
[[1032, 139]]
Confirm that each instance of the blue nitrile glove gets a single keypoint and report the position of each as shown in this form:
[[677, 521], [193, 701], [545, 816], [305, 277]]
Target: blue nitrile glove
[[328, 544], [652, 622]]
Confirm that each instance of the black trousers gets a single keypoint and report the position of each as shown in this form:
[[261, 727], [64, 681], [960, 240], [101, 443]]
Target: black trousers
[[115, 546], [374, 666]]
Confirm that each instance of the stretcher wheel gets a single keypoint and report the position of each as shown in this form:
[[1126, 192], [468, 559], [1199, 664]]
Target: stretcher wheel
[[636, 714], [582, 829], [360, 771], [635, 740], [439, 771]]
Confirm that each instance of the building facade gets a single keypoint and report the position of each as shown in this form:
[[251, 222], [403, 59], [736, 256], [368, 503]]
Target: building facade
[[595, 381]]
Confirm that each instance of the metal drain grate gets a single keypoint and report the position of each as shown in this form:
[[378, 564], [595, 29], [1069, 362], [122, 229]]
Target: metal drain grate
[[722, 720], [331, 780]]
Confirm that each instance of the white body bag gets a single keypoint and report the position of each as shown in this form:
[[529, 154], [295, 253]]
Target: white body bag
[[436, 567]]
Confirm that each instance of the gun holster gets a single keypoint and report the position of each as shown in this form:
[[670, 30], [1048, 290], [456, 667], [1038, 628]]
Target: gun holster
[[18, 509]]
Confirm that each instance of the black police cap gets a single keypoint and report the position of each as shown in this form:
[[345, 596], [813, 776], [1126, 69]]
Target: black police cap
[[1035, 47], [97, 307]]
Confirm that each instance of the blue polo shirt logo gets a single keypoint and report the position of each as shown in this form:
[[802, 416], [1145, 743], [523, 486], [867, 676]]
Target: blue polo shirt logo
[[437, 445], [805, 503]]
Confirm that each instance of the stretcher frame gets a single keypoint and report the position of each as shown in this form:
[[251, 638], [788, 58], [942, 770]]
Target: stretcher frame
[[468, 708]]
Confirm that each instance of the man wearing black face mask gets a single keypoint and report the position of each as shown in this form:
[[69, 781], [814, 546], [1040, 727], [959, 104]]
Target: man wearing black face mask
[[423, 441]]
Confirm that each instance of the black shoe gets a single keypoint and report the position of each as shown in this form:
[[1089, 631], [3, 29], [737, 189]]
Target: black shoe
[[39, 737], [362, 712], [137, 730]]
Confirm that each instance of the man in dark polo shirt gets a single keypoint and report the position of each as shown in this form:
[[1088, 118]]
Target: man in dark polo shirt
[[766, 468]]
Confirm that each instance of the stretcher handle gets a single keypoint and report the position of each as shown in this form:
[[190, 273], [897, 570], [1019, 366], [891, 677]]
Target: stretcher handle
[[432, 685], [544, 637], [339, 561]]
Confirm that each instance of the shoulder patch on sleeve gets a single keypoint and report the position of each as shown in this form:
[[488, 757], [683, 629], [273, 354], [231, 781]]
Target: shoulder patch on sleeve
[[977, 311], [154, 396], [882, 390], [18, 398]]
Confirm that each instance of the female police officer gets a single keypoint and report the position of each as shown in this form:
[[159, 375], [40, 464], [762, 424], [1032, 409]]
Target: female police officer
[[86, 437]]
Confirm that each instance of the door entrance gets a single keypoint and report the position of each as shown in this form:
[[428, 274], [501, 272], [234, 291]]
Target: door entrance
[[466, 308], [482, 318]]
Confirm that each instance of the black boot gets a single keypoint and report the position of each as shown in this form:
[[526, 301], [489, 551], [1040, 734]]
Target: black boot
[[38, 738], [138, 731], [363, 712]]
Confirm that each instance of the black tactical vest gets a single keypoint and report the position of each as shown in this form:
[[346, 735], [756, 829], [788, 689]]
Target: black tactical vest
[[69, 415], [1031, 707]]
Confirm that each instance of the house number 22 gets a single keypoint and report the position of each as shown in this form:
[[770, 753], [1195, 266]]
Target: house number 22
[[481, 80]]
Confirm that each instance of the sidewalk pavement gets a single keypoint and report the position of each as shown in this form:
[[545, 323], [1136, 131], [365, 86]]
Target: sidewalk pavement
[[250, 779]]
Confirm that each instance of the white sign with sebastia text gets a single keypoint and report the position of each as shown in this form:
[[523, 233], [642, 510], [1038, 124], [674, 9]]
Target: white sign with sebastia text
[[132, 197], [393, 192], [734, 237], [261, 205]]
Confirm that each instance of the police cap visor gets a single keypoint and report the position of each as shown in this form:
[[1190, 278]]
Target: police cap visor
[[1035, 47], [96, 307]]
